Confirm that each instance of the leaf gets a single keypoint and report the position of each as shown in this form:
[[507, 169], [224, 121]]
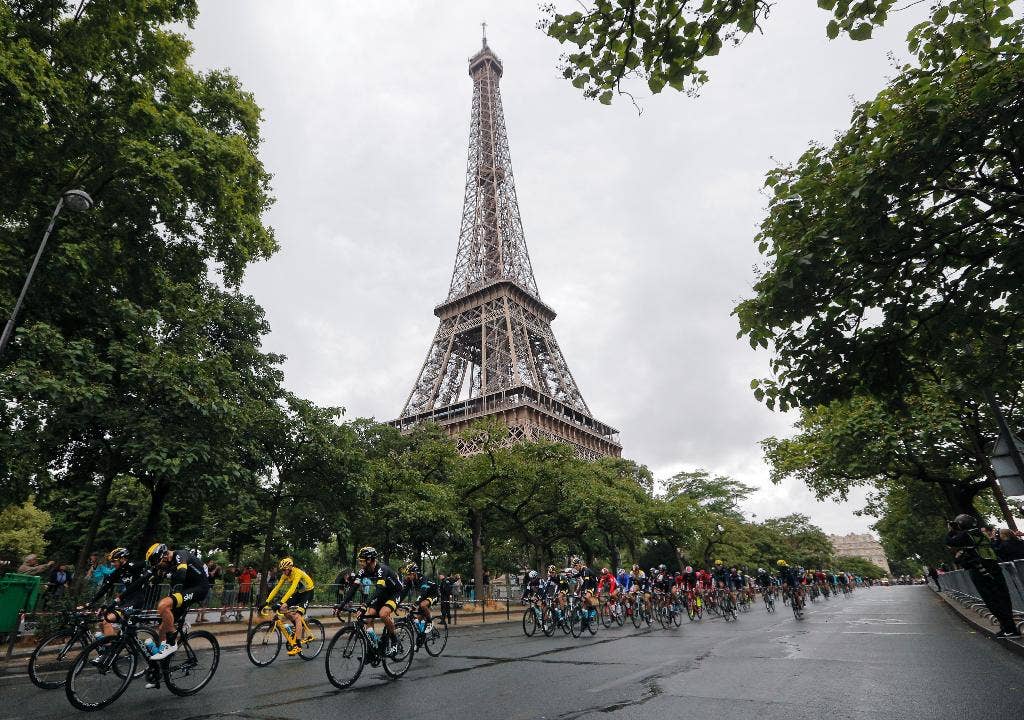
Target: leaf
[[862, 31], [832, 30], [606, 97]]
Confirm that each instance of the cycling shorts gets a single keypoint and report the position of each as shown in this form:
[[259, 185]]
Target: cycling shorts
[[181, 601], [300, 600], [386, 599]]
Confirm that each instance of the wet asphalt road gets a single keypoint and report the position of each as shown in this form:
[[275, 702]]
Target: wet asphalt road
[[884, 653]]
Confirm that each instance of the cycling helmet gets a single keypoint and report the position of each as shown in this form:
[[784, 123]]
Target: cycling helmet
[[689, 569], [575, 560], [718, 562], [781, 563], [552, 568], [118, 553], [533, 574], [605, 571], [368, 553], [286, 564], [662, 567], [965, 521], [411, 569], [760, 571], [155, 553]]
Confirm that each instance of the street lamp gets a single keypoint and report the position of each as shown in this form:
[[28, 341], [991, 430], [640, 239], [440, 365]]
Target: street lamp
[[77, 200]]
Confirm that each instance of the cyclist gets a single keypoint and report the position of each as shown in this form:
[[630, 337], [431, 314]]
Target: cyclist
[[426, 589], [189, 586], [388, 589], [294, 603], [531, 586], [126, 575], [552, 589], [587, 586], [792, 579]]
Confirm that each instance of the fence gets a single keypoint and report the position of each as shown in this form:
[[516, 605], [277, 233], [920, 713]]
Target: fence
[[960, 587]]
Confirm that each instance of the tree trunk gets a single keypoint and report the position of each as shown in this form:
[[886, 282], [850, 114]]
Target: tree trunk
[[157, 497], [340, 542], [94, 525], [679, 558], [478, 550], [269, 539]]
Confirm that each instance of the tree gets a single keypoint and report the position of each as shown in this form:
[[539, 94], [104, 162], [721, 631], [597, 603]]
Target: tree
[[802, 543], [893, 255], [911, 526], [668, 42], [858, 566], [22, 528], [127, 358]]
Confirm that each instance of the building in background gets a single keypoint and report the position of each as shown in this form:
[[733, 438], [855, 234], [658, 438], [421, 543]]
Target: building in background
[[862, 546]]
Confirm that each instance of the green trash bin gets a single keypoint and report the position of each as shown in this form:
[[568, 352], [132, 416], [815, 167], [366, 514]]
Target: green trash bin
[[15, 589]]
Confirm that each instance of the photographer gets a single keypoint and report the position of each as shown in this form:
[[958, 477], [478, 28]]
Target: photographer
[[973, 551]]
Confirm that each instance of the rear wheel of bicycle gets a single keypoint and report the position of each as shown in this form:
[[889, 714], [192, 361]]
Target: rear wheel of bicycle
[[548, 622], [405, 643], [437, 638], [313, 647], [49, 663], [564, 621], [188, 670], [264, 643], [677, 615], [346, 656], [92, 682], [141, 657], [529, 622], [592, 622], [619, 615], [575, 623], [635, 616], [606, 615]]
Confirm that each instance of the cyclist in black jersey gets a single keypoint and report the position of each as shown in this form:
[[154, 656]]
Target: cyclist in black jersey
[[587, 586], [426, 591], [388, 589], [127, 575], [189, 586]]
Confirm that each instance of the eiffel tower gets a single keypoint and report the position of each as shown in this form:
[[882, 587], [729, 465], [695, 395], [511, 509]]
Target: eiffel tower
[[494, 354]]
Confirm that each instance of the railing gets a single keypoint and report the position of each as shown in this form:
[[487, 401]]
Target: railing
[[960, 587]]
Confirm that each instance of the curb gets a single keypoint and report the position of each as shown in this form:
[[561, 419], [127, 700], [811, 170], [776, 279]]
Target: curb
[[979, 624]]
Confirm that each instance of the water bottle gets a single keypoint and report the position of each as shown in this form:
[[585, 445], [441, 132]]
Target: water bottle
[[289, 628], [421, 625], [97, 635], [151, 646], [372, 635]]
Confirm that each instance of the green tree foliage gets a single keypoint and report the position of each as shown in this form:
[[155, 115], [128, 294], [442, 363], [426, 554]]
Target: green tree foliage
[[911, 524], [858, 566], [894, 254], [668, 42], [23, 528]]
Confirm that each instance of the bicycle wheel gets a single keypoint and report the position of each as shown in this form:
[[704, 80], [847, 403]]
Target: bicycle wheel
[[548, 622], [635, 617], [529, 622], [437, 638], [312, 648], [187, 671], [397, 665], [49, 663], [592, 621], [575, 622], [264, 643], [660, 615], [141, 657], [564, 620], [619, 616], [606, 615], [346, 656], [92, 682], [676, 615]]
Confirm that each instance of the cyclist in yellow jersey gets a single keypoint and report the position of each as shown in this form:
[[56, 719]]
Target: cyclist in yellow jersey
[[293, 603]]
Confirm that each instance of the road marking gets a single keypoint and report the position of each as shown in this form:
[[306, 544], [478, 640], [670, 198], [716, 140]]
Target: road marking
[[875, 632]]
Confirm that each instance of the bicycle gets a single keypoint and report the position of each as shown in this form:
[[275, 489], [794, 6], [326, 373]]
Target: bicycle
[[768, 595], [727, 606], [264, 642], [102, 672], [48, 665], [797, 602], [533, 616], [353, 647], [433, 641], [694, 605], [611, 612]]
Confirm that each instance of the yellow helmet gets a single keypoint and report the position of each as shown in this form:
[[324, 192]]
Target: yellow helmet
[[155, 553], [781, 563], [286, 564], [718, 562], [118, 553]]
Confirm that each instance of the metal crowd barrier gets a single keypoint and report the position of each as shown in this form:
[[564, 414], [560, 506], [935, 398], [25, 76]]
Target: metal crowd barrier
[[959, 586]]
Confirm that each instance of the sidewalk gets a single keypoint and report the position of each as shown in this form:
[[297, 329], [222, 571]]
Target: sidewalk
[[977, 622], [234, 634]]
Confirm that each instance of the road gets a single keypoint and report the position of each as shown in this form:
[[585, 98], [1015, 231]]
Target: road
[[888, 652]]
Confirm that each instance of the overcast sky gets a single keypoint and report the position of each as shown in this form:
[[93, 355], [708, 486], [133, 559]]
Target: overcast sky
[[639, 226]]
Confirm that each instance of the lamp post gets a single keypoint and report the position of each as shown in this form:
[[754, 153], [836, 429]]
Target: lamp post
[[77, 200]]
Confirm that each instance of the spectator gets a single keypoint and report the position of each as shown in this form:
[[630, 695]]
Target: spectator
[[973, 551], [214, 573], [30, 566], [1008, 545], [245, 581], [230, 599], [445, 592], [471, 589], [59, 579], [98, 571], [934, 575], [457, 588], [341, 583]]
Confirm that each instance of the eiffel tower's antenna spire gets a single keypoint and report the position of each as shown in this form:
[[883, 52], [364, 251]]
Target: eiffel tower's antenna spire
[[494, 353]]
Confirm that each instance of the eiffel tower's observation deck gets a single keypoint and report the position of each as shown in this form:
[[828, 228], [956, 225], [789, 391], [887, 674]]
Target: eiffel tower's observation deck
[[494, 354]]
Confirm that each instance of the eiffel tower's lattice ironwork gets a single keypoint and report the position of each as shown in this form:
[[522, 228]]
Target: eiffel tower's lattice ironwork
[[494, 353]]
